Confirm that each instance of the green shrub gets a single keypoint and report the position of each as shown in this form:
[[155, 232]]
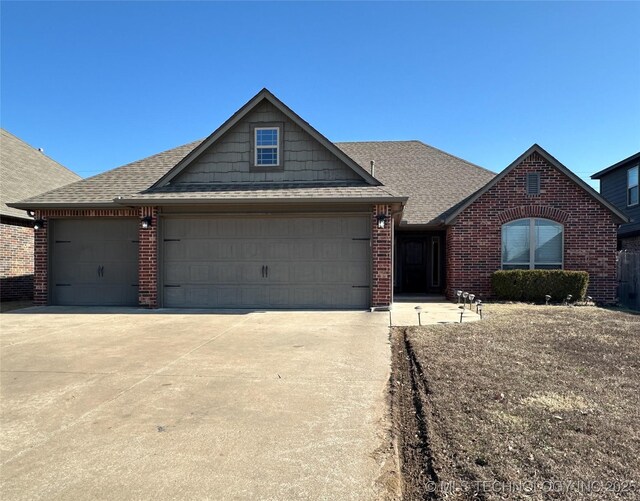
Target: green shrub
[[533, 285]]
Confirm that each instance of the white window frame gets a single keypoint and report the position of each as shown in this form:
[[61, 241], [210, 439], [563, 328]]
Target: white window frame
[[629, 186], [256, 148], [532, 244]]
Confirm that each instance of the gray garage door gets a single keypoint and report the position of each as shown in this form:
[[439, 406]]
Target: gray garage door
[[94, 262], [269, 262]]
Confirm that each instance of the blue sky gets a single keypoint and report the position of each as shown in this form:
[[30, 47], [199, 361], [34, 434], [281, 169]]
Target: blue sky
[[99, 84]]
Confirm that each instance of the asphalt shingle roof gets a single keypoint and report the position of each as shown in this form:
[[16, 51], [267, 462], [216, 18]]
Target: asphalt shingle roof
[[25, 172], [433, 180]]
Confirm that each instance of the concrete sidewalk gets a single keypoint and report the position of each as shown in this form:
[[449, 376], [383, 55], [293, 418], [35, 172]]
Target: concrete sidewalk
[[435, 310]]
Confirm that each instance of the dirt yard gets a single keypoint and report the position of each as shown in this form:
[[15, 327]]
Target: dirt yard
[[533, 403]]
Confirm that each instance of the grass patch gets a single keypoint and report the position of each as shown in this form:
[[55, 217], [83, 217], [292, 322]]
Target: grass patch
[[532, 394]]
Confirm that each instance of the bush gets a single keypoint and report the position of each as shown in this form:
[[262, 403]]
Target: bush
[[533, 285]]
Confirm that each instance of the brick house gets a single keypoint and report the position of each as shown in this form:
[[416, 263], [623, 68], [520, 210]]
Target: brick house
[[24, 172], [620, 185], [268, 213]]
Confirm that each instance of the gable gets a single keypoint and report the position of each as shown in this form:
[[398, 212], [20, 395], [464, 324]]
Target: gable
[[559, 187], [230, 158]]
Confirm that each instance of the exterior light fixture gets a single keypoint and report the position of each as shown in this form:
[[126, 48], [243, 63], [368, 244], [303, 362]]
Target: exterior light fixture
[[458, 293], [471, 298], [479, 311], [418, 311], [31, 213], [381, 218], [38, 224], [465, 295], [146, 222], [478, 305], [547, 298], [461, 312], [568, 300], [589, 299]]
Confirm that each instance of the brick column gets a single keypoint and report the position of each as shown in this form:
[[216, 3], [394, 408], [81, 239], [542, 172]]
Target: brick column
[[381, 256], [41, 262], [148, 260]]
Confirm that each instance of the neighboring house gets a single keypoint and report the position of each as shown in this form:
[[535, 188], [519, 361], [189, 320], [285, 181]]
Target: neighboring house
[[268, 213], [619, 185], [24, 172]]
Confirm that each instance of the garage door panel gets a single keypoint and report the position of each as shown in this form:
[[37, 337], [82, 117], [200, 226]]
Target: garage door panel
[[295, 262], [94, 262]]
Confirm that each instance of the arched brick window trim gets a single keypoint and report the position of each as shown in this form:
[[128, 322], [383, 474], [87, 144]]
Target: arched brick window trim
[[527, 211]]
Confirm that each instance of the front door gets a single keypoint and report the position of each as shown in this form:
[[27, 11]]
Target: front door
[[414, 263], [420, 262]]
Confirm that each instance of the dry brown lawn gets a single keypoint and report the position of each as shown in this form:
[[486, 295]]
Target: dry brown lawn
[[535, 402]]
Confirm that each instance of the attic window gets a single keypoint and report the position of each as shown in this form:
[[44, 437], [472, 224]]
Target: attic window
[[533, 183], [267, 146]]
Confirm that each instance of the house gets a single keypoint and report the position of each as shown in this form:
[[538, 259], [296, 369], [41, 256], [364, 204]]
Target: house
[[619, 185], [24, 172], [266, 212]]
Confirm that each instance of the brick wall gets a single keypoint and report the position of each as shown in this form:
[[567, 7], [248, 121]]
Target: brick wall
[[381, 244], [16, 259], [630, 243], [474, 240], [147, 268], [148, 260]]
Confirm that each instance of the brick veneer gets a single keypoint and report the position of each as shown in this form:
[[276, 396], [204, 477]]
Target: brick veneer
[[474, 241], [381, 245], [147, 256], [16, 259], [148, 260]]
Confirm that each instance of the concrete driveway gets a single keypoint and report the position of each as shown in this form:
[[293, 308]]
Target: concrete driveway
[[108, 404]]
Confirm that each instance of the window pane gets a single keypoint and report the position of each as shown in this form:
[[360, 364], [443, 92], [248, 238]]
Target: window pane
[[632, 177], [515, 267], [266, 137], [267, 156], [515, 242], [633, 196], [548, 237]]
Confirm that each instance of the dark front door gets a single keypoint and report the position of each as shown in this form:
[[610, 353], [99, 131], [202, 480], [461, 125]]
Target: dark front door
[[420, 262], [414, 263]]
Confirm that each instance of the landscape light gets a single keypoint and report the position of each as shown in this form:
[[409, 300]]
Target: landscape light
[[480, 310], [461, 312], [458, 293], [478, 304], [471, 297], [547, 298], [568, 300], [419, 310], [465, 295]]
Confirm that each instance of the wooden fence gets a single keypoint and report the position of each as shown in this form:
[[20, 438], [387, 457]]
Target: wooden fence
[[629, 279]]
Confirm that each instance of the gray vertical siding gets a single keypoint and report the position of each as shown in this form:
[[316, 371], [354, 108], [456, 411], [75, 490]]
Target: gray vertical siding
[[229, 160], [613, 187]]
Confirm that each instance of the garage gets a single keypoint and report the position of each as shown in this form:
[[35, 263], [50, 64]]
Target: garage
[[266, 262], [94, 262]]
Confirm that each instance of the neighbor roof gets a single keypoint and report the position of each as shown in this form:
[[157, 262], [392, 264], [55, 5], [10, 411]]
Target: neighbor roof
[[633, 158], [25, 172], [433, 180]]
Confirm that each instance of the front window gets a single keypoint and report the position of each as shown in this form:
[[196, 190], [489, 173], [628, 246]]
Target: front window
[[267, 146], [532, 244], [632, 186]]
